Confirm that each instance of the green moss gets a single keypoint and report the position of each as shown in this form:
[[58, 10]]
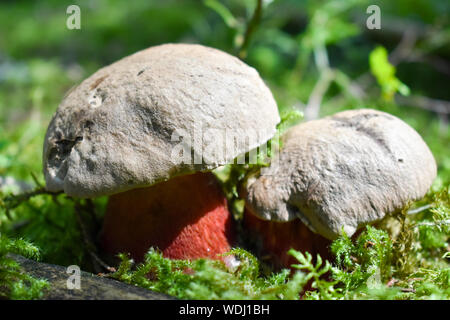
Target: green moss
[[211, 279], [368, 267], [14, 283], [411, 263], [36, 75]]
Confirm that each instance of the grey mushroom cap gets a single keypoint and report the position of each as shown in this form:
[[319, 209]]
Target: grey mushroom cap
[[343, 172], [165, 111]]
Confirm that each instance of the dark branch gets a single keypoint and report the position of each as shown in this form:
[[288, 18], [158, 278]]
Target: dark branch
[[435, 105], [13, 201], [91, 248], [251, 27]]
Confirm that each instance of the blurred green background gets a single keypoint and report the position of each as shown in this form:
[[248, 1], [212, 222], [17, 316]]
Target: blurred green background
[[317, 57], [304, 50]]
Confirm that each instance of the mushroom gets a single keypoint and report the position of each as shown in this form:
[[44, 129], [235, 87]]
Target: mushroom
[[336, 174], [146, 131]]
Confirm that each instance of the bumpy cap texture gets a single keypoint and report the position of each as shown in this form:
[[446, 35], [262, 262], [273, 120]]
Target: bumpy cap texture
[[342, 172], [165, 111]]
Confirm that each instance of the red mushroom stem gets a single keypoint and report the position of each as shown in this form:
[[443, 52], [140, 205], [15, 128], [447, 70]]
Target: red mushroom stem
[[274, 239], [186, 218]]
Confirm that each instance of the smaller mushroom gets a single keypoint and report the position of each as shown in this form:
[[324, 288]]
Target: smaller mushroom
[[336, 174]]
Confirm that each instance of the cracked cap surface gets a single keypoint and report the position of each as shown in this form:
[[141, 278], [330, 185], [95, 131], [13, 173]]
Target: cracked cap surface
[[132, 123]]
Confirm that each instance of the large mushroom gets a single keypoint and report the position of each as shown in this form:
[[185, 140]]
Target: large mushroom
[[146, 131], [336, 174]]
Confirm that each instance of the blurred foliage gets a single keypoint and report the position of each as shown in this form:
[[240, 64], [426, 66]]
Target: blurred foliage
[[306, 51], [384, 72]]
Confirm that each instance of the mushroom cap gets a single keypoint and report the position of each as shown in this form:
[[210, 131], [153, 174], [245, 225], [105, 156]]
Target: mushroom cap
[[132, 124], [342, 172]]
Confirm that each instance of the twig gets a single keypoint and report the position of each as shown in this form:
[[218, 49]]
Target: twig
[[91, 210], [360, 85], [16, 200], [90, 246], [404, 48], [439, 64], [13, 201], [251, 27], [315, 99], [435, 105], [36, 180], [420, 209]]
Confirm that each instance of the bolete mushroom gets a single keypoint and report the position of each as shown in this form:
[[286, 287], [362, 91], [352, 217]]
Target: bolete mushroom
[[146, 131], [336, 174]]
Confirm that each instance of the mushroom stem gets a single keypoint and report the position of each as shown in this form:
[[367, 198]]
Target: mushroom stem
[[186, 218], [274, 239]]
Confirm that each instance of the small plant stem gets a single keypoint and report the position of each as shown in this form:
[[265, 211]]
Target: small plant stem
[[91, 248], [13, 201]]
